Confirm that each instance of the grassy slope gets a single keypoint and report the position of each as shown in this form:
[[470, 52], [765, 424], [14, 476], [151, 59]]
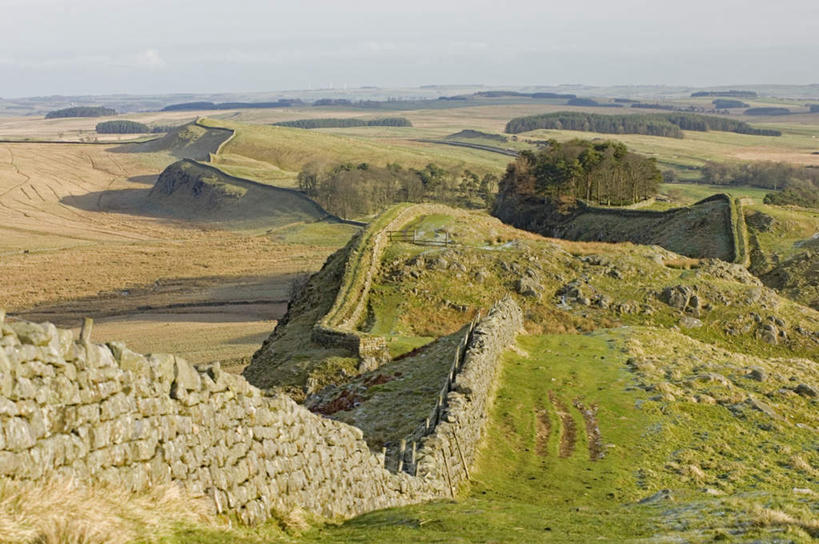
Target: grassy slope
[[795, 145], [276, 154], [730, 469], [525, 491]]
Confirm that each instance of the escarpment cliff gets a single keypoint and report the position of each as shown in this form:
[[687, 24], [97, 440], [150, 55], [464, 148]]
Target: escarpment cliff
[[707, 229]]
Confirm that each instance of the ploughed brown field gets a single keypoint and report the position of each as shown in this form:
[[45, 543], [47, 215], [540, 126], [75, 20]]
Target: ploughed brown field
[[75, 242]]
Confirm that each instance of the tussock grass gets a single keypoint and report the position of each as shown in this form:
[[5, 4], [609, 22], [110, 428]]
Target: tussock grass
[[768, 517], [65, 511]]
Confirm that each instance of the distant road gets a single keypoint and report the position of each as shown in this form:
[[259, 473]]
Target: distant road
[[489, 148]]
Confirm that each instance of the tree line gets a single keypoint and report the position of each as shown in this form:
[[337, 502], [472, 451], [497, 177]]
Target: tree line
[[727, 103], [798, 185], [767, 110], [355, 190], [346, 123], [81, 111], [193, 106], [121, 126], [602, 172], [730, 94], [654, 124]]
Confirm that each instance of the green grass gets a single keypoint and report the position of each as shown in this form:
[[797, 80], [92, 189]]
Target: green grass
[[276, 154], [691, 152], [320, 233], [684, 194], [524, 491]]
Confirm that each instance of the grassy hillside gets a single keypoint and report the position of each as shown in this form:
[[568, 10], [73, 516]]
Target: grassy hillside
[[193, 191], [796, 145], [190, 141], [644, 403], [276, 154]]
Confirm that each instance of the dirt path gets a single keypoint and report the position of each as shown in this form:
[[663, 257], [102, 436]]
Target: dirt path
[[543, 427], [568, 435], [592, 429]]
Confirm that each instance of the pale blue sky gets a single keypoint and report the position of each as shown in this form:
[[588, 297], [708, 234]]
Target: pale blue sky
[[164, 46]]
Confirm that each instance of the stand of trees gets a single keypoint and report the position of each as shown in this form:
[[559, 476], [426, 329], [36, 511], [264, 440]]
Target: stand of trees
[[728, 103], [354, 190], [193, 106], [731, 94], [81, 111], [345, 123], [768, 110], [798, 185], [655, 124], [122, 127], [606, 173]]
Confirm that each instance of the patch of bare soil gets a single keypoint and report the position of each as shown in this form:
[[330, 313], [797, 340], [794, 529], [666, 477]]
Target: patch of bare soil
[[543, 426], [592, 429], [568, 435]]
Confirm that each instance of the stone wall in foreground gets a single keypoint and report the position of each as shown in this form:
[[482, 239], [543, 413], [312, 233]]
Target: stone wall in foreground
[[105, 413], [71, 408], [448, 452]]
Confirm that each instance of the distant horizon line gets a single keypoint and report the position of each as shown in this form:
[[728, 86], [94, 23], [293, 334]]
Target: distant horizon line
[[427, 86]]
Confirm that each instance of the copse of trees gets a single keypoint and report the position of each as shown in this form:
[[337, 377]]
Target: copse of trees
[[606, 173], [655, 124], [354, 190], [346, 123], [81, 111], [764, 174], [505, 94], [728, 103], [595, 122], [194, 106], [731, 94], [794, 185], [333, 102], [768, 110], [122, 127]]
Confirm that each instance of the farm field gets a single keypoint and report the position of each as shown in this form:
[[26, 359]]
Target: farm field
[[82, 207]]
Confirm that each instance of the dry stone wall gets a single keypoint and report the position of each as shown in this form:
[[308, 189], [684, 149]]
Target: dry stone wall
[[447, 453], [105, 413], [338, 327]]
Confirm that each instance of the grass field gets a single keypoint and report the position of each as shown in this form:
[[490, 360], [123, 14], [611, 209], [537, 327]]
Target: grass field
[[276, 154], [796, 145]]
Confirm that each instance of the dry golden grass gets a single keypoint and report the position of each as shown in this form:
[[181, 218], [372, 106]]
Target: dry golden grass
[[767, 517], [66, 511], [76, 128]]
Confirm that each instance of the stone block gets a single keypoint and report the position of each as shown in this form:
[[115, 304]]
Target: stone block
[[18, 434]]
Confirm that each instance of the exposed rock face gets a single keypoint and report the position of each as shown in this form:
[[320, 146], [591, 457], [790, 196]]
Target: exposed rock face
[[701, 230], [106, 413]]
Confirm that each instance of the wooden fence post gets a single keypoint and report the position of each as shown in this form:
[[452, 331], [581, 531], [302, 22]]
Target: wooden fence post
[[85, 330], [461, 454], [401, 451]]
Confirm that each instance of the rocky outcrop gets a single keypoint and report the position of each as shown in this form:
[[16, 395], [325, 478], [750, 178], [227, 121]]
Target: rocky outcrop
[[709, 228]]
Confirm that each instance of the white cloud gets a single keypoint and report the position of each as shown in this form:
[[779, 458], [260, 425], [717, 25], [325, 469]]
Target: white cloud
[[150, 58]]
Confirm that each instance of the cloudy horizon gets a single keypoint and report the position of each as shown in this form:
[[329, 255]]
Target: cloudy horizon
[[184, 46]]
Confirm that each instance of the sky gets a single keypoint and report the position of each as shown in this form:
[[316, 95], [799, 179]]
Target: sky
[[75, 47]]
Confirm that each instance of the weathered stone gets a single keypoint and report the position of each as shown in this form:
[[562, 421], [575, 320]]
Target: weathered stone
[[31, 333], [806, 390]]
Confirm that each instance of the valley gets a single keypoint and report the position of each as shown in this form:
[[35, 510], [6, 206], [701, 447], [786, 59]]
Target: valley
[[343, 372]]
